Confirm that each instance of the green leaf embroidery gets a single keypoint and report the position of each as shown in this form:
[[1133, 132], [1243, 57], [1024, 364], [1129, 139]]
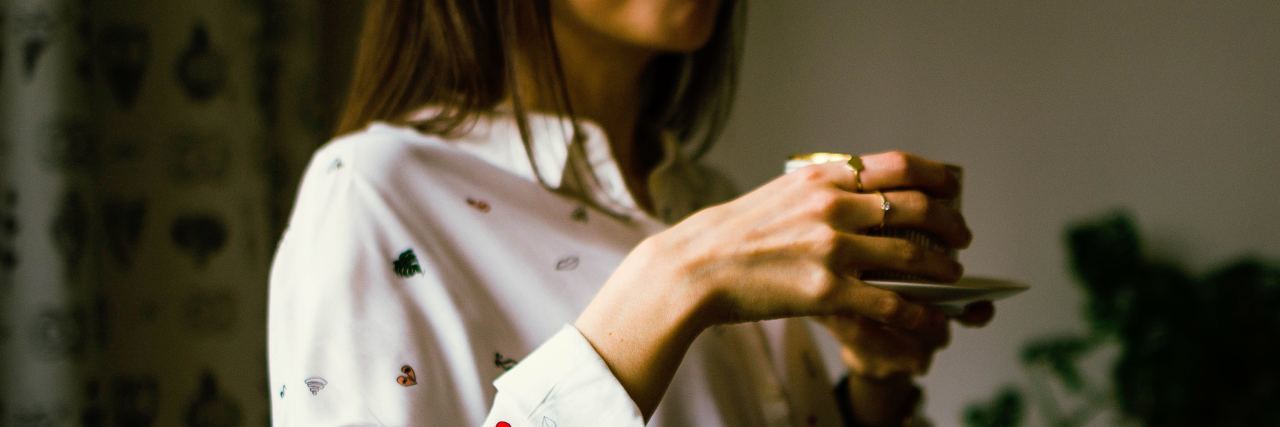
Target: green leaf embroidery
[[407, 265], [504, 363]]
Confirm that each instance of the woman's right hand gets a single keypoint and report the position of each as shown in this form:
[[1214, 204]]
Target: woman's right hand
[[791, 248], [794, 246]]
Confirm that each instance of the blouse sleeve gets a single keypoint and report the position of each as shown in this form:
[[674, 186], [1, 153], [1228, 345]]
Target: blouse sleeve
[[361, 330]]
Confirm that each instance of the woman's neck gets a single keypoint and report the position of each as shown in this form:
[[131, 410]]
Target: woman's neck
[[602, 78]]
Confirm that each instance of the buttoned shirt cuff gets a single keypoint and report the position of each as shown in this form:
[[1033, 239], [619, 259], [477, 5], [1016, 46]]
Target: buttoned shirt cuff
[[562, 383]]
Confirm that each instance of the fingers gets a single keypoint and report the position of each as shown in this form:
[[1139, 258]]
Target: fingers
[[894, 170], [914, 187], [977, 314], [915, 210], [853, 212], [828, 174], [873, 350], [868, 253], [860, 299], [899, 170], [934, 334]]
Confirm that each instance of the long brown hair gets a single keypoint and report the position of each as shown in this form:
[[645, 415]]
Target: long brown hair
[[459, 56]]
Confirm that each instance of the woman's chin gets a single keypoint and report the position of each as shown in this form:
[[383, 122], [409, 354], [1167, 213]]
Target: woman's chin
[[678, 39]]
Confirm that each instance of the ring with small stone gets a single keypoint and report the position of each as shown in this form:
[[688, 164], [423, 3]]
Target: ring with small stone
[[884, 207]]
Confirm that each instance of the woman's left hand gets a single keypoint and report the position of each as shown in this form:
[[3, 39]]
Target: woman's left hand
[[875, 351], [883, 359]]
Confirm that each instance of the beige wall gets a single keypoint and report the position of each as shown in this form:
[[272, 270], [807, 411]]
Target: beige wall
[[1058, 111]]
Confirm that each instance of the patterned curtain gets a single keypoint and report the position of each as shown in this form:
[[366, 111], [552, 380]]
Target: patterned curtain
[[148, 152]]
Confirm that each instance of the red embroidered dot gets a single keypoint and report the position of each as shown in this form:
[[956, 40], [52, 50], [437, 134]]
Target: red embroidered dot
[[503, 424]]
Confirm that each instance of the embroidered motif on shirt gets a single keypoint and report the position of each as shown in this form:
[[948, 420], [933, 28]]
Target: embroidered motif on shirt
[[502, 362], [567, 264], [579, 214], [480, 205], [407, 264], [503, 424], [315, 384], [409, 379]]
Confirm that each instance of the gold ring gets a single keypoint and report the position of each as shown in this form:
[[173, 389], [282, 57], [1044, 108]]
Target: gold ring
[[855, 164], [884, 207]]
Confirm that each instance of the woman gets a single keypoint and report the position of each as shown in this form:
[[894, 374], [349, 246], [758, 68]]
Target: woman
[[505, 221]]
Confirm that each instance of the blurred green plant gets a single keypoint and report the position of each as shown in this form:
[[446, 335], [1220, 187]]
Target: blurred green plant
[[1191, 351]]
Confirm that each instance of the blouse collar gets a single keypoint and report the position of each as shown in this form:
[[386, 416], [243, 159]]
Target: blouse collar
[[495, 137]]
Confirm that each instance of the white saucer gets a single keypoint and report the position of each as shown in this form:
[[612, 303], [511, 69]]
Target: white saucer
[[953, 296]]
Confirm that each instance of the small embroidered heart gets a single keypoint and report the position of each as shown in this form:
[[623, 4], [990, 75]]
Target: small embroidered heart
[[480, 205], [409, 379], [503, 424]]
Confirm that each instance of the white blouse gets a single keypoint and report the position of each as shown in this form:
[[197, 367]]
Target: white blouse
[[432, 281]]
